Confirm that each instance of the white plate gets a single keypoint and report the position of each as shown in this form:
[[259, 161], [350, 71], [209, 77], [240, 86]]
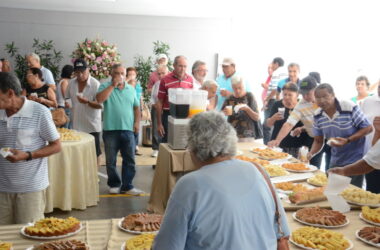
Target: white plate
[[368, 221], [122, 246], [361, 204], [132, 231], [22, 231], [315, 184], [287, 192], [366, 241], [239, 152], [318, 225], [311, 169], [309, 248]]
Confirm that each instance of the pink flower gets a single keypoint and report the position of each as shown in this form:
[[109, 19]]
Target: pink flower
[[94, 67], [98, 59]]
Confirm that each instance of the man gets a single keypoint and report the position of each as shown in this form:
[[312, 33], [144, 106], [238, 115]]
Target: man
[[121, 118], [28, 131], [33, 61], [86, 111], [277, 75], [176, 79], [199, 71], [304, 112], [162, 59], [293, 77]]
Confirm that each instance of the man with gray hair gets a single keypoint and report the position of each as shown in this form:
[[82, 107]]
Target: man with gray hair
[[223, 191], [199, 71], [121, 117], [27, 137], [33, 60]]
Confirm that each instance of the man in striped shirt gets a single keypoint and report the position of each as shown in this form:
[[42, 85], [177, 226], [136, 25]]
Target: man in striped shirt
[[344, 124], [176, 79], [28, 132]]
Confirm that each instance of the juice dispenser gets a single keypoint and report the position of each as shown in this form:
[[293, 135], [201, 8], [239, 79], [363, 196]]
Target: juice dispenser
[[179, 102], [198, 102]]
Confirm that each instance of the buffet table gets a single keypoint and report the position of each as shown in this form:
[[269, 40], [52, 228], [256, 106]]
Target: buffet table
[[73, 176]]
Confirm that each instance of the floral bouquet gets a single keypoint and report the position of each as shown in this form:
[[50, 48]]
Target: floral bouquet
[[100, 56]]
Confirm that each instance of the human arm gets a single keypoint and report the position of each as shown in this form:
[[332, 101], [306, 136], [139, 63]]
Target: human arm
[[105, 92], [51, 99], [52, 148], [286, 128], [358, 168], [137, 118], [160, 127], [251, 108], [274, 115], [316, 147]]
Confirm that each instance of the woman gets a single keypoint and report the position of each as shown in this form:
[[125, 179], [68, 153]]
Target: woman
[[362, 87], [37, 90], [66, 75], [290, 144], [226, 204], [245, 115], [344, 124], [211, 87]]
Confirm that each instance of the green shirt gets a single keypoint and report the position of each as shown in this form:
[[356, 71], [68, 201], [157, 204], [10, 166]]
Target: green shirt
[[119, 108]]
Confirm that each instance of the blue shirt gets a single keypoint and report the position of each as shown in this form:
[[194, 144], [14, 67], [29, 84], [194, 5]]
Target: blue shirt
[[347, 120], [282, 83], [139, 91], [226, 205]]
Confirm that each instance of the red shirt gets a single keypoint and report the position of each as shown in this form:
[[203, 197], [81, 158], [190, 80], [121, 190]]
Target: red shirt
[[153, 78], [172, 81]]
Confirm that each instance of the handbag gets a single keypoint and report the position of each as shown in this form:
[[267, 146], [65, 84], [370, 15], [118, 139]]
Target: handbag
[[59, 117], [283, 241], [145, 112]]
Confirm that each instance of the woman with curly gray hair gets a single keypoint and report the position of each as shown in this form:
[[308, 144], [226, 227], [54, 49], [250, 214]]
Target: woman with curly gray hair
[[227, 203]]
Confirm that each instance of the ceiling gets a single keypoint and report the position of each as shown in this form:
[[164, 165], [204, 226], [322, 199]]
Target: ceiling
[[183, 8]]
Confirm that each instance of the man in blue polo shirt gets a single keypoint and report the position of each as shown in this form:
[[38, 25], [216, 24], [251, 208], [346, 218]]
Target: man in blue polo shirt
[[121, 117], [344, 125]]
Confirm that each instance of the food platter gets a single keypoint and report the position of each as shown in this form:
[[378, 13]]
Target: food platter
[[366, 241], [361, 204], [311, 169], [318, 225], [368, 221], [314, 184], [309, 248], [120, 224], [22, 231]]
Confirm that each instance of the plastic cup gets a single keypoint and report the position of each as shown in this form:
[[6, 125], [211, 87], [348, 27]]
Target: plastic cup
[[229, 110], [281, 111], [34, 94], [80, 94]]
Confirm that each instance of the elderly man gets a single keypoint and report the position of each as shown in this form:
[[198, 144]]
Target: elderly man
[[293, 77], [121, 118], [227, 203], [162, 59], [86, 111], [176, 79], [199, 71], [27, 131], [33, 61]]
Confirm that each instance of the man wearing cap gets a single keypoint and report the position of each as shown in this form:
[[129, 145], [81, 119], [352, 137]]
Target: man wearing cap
[[176, 79], [86, 111], [162, 59], [304, 112], [199, 71], [33, 60]]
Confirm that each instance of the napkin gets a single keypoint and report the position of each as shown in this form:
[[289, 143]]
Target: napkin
[[5, 152], [237, 107], [335, 185]]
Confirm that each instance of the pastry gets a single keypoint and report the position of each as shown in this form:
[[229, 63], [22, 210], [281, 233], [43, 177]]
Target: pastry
[[142, 222], [68, 135], [5, 245], [360, 196], [321, 216], [319, 179], [269, 154], [62, 245], [295, 166], [253, 160], [371, 234], [53, 227], [309, 196], [275, 170], [141, 242], [318, 238], [290, 186], [371, 214]]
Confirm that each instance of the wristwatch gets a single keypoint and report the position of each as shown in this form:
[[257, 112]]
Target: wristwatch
[[29, 156]]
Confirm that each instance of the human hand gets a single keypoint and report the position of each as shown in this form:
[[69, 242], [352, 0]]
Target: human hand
[[136, 127], [32, 98], [338, 142], [225, 93], [83, 100], [17, 155], [117, 80], [297, 131], [274, 143], [376, 123], [278, 116], [160, 130], [337, 170], [309, 156]]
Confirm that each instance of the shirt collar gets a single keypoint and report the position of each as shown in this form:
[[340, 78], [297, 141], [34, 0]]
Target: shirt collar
[[25, 111]]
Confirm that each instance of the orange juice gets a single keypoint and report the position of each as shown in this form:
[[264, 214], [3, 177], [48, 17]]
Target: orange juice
[[193, 112]]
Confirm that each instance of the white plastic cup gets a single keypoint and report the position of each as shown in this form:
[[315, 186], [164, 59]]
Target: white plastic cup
[[80, 94], [229, 110], [34, 94], [281, 111]]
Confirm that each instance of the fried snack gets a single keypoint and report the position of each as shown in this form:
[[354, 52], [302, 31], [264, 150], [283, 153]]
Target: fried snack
[[360, 196], [142, 222], [371, 234], [295, 166], [5, 245], [290, 186], [321, 216], [371, 214], [53, 227], [319, 179], [269, 154], [319, 238], [62, 245], [68, 135], [141, 242], [275, 170], [253, 160], [308, 196]]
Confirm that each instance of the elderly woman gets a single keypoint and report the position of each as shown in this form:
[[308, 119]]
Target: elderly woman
[[227, 203], [344, 124], [279, 115], [211, 87], [245, 115], [37, 90]]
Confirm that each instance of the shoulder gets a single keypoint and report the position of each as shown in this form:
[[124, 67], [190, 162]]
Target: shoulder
[[347, 105], [94, 81]]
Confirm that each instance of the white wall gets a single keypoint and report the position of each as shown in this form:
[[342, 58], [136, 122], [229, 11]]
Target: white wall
[[196, 38]]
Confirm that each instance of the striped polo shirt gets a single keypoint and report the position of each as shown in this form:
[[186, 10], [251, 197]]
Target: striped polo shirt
[[347, 120], [28, 130], [304, 112], [172, 81]]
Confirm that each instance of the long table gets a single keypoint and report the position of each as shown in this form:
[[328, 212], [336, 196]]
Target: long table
[[73, 176]]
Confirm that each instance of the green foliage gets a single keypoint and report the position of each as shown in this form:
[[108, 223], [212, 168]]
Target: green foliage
[[163, 48], [50, 57]]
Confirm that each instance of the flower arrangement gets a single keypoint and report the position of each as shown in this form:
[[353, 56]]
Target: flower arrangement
[[100, 56]]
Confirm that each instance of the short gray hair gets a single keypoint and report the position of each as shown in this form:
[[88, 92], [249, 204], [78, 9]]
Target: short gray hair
[[177, 58], [196, 65], [162, 66], [210, 135], [291, 65], [10, 81], [236, 80], [35, 56], [115, 66], [209, 83]]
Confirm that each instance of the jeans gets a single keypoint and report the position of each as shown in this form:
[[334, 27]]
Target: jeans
[[373, 183], [156, 138], [123, 140], [267, 131], [69, 124], [165, 115]]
